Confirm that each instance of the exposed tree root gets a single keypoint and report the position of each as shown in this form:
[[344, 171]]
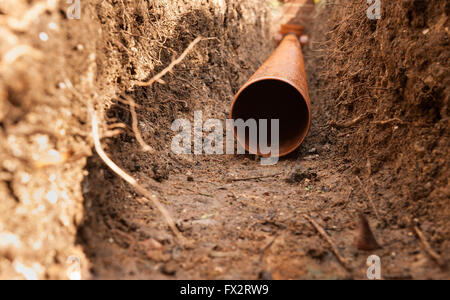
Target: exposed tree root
[[136, 131], [129, 179], [347, 124], [393, 120], [158, 77]]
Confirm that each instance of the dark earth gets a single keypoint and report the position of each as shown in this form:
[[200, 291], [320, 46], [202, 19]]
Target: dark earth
[[378, 145]]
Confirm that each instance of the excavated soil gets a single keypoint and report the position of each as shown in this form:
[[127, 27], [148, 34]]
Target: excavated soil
[[378, 145]]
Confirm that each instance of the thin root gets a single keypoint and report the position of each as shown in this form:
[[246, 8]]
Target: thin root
[[385, 122], [22, 50], [322, 232], [369, 196], [158, 78], [129, 179], [256, 178], [433, 254], [347, 124], [137, 133]]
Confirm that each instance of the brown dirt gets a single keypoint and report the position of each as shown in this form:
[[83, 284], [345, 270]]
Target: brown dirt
[[392, 75], [66, 203]]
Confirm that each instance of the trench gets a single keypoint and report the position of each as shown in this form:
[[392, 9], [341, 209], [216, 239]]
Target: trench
[[377, 148], [229, 208], [242, 220]]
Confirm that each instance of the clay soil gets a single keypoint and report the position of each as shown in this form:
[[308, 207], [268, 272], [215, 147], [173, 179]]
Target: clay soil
[[378, 145]]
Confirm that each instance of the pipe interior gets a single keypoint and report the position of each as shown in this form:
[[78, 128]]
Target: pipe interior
[[274, 99]]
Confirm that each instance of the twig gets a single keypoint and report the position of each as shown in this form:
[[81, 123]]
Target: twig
[[121, 101], [369, 196], [112, 133], [267, 247], [158, 77], [393, 120], [117, 125], [436, 257], [136, 130], [322, 232], [129, 179], [146, 38], [347, 124], [255, 178]]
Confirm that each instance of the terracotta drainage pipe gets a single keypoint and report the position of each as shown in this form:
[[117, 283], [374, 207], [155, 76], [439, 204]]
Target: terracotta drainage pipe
[[278, 90]]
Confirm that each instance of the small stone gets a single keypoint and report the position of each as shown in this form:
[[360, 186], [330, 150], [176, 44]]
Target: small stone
[[429, 80], [52, 197], [10, 245], [304, 39], [169, 269], [158, 256], [61, 86], [152, 244], [43, 36], [162, 238], [312, 151], [265, 275], [316, 253], [326, 189]]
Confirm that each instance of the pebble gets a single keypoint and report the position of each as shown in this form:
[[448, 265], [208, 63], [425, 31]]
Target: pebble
[[152, 244], [169, 269], [312, 151], [53, 26], [52, 197], [43, 36], [265, 275]]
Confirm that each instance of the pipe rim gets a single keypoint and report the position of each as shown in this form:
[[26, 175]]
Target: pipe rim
[[305, 99]]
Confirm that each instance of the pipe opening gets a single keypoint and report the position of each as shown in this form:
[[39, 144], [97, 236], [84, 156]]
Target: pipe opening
[[274, 99]]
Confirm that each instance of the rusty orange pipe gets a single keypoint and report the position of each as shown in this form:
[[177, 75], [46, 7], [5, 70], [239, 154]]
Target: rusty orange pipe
[[278, 90]]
